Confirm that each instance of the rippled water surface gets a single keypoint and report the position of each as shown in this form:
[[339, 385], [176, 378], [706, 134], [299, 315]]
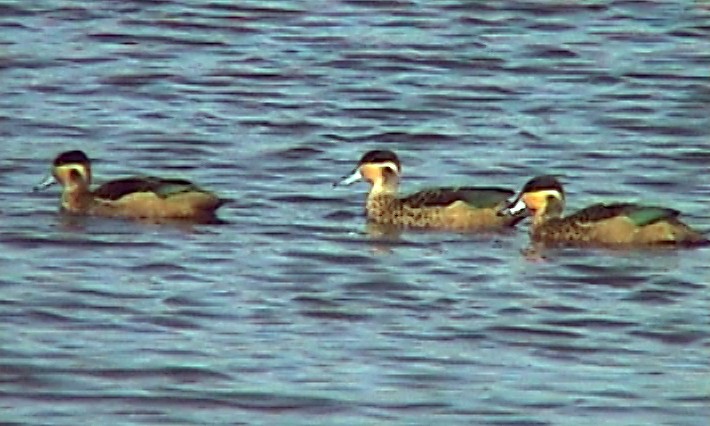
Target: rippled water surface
[[293, 312]]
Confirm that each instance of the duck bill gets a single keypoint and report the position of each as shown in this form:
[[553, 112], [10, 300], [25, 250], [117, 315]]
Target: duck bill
[[516, 208], [46, 182], [350, 179]]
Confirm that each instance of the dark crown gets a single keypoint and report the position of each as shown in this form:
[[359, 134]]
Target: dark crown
[[545, 182], [380, 156], [71, 157]]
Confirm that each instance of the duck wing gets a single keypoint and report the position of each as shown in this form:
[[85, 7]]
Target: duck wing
[[163, 188], [477, 197], [638, 214]]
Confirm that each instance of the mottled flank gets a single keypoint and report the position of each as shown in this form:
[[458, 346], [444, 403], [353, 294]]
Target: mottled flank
[[456, 215], [617, 231]]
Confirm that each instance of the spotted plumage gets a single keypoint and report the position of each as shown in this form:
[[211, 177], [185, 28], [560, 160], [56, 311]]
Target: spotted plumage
[[146, 197], [449, 208], [618, 224]]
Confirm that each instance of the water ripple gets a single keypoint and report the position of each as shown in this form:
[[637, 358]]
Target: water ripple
[[294, 310]]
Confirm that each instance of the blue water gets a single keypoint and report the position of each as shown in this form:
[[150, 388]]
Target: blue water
[[295, 312]]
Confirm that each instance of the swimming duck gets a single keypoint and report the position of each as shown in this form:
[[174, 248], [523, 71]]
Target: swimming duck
[[132, 197], [452, 208], [618, 224]]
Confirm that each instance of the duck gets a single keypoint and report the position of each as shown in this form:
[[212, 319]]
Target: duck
[[448, 208], [135, 197], [615, 225]]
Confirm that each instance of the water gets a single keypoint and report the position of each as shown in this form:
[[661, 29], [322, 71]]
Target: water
[[292, 312]]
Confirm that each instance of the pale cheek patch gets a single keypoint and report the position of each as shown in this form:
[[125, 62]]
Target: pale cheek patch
[[531, 201], [538, 200], [374, 172], [64, 173]]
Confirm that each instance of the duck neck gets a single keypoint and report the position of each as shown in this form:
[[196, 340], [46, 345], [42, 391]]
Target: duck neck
[[552, 210], [384, 185], [383, 195], [76, 197]]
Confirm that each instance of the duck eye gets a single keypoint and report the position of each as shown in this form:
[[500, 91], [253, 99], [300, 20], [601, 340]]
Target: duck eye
[[76, 174], [389, 171]]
